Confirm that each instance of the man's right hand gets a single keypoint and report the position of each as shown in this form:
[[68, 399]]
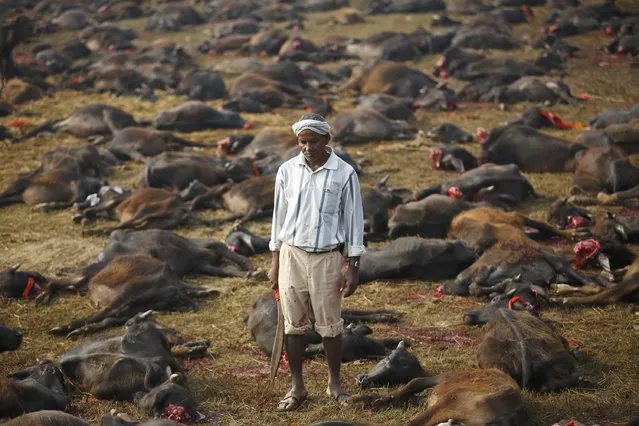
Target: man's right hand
[[275, 270]]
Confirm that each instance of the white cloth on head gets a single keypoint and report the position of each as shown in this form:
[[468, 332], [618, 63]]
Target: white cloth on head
[[320, 127]]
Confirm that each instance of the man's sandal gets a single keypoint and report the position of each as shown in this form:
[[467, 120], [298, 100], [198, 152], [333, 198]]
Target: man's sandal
[[291, 402]]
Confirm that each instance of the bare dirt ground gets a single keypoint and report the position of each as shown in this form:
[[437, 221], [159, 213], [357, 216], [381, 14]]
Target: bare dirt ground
[[231, 385]]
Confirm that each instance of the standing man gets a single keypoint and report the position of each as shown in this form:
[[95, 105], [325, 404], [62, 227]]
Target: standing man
[[317, 221]]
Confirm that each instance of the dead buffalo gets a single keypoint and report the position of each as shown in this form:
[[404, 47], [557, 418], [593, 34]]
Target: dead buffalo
[[485, 32], [529, 350], [36, 388], [47, 418], [10, 339], [243, 242], [582, 18], [563, 214], [525, 259], [391, 106], [196, 116], [170, 398], [86, 160], [266, 141], [449, 133], [176, 170], [401, 6], [488, 182], [624, 136], [464, 397], [88, 121], [398, 367], [119, 367], [202, 86], [387, 46], [605, 169], [464, 65], [452, 157], [538, 118], [183, 255], [516, 295], [262, 321], [149, 208], [377, 201], [627, 291], [15, 284], [389, 78], [610, 116], [530, 150], [416, 258], [138, 143], [480, 228], [365, 125], [528, 89], [49, 190], [357, 345], [143, 283], [122, 419], [172, 17], [427, 218], [247, 200]]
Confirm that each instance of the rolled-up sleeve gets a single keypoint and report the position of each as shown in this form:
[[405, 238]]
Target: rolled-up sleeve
[[353, 216], [279, 211]]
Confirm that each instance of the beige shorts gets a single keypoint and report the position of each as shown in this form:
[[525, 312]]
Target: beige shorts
[[309, 289]]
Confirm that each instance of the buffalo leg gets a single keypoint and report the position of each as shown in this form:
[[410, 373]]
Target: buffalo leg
[[627, 194], [102, 325], [11, 199], [53, 205], [382, 315], [222, 271], [237, 259], [404, 394], [53, 287]]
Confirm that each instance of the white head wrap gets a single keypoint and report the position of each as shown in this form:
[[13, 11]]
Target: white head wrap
[[320, 127]]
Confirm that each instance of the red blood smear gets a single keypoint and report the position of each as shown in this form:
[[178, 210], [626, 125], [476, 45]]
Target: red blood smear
[[575, 222], [284, 362], [212, 52], [441, 62], [585, 250], [247, 126], [439, 292], [435, 157], [176, 413], [455, 192]]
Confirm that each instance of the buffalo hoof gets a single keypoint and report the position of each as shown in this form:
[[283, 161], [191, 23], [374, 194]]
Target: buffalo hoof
[[258, 274], [59, 331], [606, 199], [582, 200], [44, 299]]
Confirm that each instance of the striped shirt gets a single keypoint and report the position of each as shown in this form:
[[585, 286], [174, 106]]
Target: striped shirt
[[318, 210]]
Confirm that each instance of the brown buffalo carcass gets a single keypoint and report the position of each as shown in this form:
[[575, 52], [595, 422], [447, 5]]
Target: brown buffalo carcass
[[247, 200], [176, 170], [480, 228], [182, 255], [65, 175], [365, 125], [476, 397], [136, 366], [131, 284], [36, 388], [499, 184], [50, 190], [530, 150], [389, 78], [139, 143], [529, 350], [427, 218], [149, 208], [622, 135], [416, 258], [606, 170], [517, 257]]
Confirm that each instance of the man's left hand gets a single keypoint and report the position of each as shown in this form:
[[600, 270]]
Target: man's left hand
[[351, 281]]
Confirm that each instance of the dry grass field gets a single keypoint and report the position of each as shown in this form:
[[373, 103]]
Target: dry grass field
[[231, 385]]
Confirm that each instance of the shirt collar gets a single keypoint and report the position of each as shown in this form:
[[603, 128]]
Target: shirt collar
[[330, 164]]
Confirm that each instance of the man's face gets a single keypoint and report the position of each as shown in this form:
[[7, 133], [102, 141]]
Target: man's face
[[312, 145]]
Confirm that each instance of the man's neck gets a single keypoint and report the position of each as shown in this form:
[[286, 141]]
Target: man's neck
[[320, 163]]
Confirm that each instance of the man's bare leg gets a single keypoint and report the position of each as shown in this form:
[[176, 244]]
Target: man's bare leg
[[333, 348], [295, 345]]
